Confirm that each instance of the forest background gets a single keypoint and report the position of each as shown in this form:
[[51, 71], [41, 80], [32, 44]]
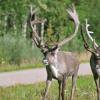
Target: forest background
[[15, 39]]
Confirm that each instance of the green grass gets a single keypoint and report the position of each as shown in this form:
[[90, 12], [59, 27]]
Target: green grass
[[7, 68], [85, 91]]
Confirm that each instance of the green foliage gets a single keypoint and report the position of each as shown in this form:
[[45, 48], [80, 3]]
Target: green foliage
[[16, 50], [9, 68]]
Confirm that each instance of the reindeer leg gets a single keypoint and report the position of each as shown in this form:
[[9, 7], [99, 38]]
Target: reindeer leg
[[63, 87], [99, 89], [74, 77], [60, 87], [48, 84], [97, 82]]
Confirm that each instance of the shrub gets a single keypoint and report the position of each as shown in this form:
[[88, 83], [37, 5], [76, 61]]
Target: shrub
[[16, 50]]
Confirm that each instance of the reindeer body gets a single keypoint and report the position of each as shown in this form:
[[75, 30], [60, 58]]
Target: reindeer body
[[95, 65], [62, 63], [95, 58]]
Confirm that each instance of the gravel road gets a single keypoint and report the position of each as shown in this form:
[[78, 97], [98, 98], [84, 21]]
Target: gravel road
[[32, 76]]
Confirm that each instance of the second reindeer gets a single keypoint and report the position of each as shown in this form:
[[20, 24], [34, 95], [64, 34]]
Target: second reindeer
[[95, 57]]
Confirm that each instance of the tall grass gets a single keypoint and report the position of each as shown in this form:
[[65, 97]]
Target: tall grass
[[17, 50]]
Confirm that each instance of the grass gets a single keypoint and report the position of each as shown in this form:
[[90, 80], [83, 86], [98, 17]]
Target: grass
[[85, 91], [7, 68]]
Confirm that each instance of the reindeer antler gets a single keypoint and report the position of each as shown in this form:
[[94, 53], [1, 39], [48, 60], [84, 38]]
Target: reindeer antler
[[85, 42], [90, 37], [33, 23], [89, 33], [74, 16], [39, 38]]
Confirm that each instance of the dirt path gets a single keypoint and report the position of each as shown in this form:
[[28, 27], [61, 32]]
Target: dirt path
[[32, 76]]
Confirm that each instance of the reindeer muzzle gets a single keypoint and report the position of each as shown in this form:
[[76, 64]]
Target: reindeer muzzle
[[98, 69], [45, 61]]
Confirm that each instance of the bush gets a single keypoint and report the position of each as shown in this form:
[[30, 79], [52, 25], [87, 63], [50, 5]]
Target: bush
[[16, 50]]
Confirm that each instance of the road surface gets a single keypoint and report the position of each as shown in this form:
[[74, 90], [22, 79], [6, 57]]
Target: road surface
[[32, 76]]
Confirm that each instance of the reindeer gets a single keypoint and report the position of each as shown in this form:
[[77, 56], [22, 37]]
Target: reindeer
[[95, 58], [59, 64]]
